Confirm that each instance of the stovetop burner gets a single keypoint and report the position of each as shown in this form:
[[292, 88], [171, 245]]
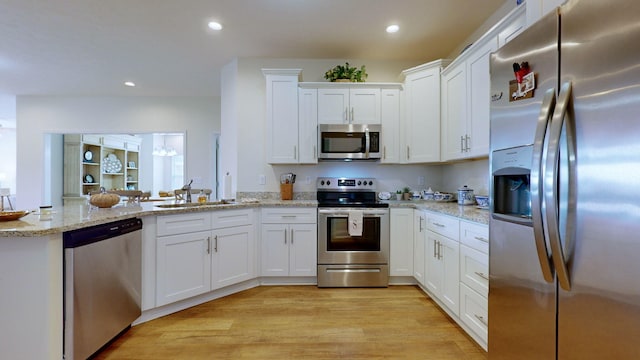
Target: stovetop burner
[[348, 192]]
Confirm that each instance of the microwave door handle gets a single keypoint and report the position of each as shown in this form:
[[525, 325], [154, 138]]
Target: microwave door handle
[[537, 201], [367, 142], [551, 185]]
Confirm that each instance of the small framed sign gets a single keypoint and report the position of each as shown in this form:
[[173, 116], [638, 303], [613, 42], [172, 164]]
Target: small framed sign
[[132, 164]]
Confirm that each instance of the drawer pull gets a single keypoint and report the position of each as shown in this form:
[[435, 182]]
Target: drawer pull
[[438, 225], [480, 238], [482, 275], [481, 319]]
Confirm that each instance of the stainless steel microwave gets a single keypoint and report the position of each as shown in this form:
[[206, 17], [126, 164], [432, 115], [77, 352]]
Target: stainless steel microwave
[[349, 142]]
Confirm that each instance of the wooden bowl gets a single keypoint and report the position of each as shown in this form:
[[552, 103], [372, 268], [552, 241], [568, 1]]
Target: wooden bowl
[[12, 215]]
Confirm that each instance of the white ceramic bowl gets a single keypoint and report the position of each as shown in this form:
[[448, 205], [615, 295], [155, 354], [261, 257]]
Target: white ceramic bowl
[[483, 201]]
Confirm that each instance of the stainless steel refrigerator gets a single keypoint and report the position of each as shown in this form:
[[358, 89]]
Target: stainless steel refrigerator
[[565, 186]]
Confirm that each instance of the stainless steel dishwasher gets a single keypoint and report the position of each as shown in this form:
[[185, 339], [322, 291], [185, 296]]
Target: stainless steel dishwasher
[[102, 284]]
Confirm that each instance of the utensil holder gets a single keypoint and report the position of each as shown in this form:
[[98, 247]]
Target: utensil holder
[[286, 191]]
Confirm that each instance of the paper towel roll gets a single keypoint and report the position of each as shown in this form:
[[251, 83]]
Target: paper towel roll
[[226, 194]]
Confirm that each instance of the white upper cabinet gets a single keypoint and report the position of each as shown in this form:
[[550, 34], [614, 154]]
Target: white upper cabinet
[[390, 113], [282, 115], [513, 27], [343, 105], [466, 97], [539, 8], [454, 111], [307, 126], [422, 113]]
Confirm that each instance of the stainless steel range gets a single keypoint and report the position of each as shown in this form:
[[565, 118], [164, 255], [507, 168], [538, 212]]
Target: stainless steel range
[[353, 234]]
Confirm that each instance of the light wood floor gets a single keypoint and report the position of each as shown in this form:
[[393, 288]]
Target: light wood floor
[[302, 322]]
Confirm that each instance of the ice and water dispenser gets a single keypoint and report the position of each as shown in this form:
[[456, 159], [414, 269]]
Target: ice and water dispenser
[[511, 171]]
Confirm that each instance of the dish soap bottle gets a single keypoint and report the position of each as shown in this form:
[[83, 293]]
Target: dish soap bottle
[[202, 198]]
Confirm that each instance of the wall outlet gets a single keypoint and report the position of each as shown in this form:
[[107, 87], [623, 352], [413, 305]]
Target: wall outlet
[[420, 180], [307, 180], [262, 180]]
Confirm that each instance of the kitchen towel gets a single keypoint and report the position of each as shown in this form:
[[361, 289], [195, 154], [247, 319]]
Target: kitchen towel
[[226, 194], [355, 222]]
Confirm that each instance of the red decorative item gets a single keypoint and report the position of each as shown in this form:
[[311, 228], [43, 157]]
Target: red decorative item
[[520, 70]]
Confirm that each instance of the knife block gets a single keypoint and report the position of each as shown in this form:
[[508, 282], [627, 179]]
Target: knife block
[[286, 191]]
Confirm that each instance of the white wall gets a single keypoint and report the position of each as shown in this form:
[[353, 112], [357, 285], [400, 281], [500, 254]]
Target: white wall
[[197, 117]]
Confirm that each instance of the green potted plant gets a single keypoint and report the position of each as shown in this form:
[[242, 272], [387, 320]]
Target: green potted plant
[[398, 194], [406, 193], [346, 73]]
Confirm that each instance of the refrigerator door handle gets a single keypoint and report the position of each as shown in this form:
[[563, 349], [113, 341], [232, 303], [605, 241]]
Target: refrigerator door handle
[[537, 200], [551, 184]]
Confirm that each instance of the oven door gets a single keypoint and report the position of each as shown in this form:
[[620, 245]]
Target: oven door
[[336, 246]]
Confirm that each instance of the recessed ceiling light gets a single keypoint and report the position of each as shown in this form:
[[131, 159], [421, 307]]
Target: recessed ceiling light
[[214, 25], [129, 83], [393, 28]]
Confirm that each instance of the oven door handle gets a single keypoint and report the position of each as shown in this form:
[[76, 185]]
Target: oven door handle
[[335, 213]]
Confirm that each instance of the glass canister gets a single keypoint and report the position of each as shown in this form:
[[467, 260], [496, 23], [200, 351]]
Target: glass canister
[[465, 196]]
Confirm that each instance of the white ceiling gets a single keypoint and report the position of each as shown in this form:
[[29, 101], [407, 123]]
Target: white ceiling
[[90, 47]]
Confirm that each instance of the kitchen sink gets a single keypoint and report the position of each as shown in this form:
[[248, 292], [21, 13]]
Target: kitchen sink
[[194, 204]]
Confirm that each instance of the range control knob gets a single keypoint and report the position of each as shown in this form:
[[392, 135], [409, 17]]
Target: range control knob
[[370, 183], [328, 182], [360, 182], [322, 182]]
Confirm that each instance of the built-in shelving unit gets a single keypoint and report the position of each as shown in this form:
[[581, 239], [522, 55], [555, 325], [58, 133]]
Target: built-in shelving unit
[[94, 161]]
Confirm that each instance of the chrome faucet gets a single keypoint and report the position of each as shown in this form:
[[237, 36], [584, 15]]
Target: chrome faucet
[[187, 188]]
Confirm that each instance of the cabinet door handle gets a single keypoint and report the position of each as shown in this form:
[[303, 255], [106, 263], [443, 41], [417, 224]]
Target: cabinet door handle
[[352, 115], [346, 115], [461, 143], [439, 250], [466, 142], [420, 224], [215, 247], [482, 275], [291, 237], [408, 154], [295, 152], [314, 151], [481, 319], [435, 252], [384, 152], [285, 236], [208, 244]]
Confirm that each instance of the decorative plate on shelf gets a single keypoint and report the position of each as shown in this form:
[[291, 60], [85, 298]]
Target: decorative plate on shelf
[[111, 164], [88, 179], [88, 156]]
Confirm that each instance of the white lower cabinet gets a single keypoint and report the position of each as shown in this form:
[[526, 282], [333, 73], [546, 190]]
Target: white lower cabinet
[[442, 275], [288, 242], [203, 251], [233, 257], [401, 249], [474, 279], [473, 312], [456, 271], [419, 246], [183, 266], [442, 248]]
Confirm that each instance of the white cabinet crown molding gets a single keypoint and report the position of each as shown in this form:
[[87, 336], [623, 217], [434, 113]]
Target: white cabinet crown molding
[[282, 72], [350, 85], [443, 63]]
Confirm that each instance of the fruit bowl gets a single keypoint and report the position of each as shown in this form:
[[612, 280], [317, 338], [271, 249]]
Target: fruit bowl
[[12, 215]]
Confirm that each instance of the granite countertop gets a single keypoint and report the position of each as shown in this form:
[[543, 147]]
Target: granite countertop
[[464, 212], [73, 217]]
